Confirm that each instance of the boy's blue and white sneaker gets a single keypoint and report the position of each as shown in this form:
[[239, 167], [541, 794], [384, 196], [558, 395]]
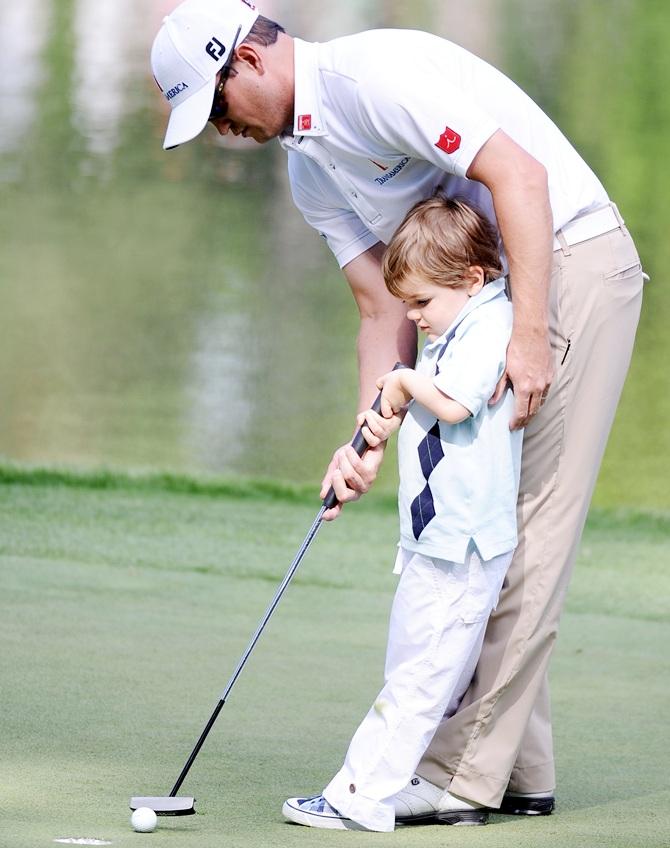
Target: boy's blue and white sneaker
[[316, 812]]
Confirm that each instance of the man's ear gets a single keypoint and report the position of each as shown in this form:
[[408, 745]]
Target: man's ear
[[474, 278], [250, 56]]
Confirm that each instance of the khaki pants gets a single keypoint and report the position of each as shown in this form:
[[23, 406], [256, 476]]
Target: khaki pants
[[501, 734]]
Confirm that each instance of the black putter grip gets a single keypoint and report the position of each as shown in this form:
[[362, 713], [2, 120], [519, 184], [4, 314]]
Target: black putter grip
[[358, 443]]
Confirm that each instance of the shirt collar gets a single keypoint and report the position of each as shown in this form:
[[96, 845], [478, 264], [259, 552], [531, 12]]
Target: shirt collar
[[489, 292], [307, 118]]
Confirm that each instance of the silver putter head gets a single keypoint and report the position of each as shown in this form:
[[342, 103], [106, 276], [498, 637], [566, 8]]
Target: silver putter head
[[168, 806]]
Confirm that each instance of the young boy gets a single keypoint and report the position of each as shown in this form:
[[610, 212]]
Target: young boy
[[459, 477]]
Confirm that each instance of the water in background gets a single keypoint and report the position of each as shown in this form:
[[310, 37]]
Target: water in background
[[172, 310]]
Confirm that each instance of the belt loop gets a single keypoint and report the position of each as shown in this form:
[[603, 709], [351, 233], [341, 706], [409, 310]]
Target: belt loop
[[619, 218], [565, 248]]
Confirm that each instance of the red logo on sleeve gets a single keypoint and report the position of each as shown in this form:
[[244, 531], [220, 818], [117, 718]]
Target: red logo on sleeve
[[449, 141], [304, 122]]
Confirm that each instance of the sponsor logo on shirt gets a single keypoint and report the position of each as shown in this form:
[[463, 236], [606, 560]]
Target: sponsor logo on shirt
[[304, 122], [380, 165], [449, 141], [390, 174]]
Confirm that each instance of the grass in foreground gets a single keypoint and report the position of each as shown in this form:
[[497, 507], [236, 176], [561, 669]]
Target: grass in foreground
[[125, 607]]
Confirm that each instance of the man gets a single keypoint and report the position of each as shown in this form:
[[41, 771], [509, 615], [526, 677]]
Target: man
[[373, 123]]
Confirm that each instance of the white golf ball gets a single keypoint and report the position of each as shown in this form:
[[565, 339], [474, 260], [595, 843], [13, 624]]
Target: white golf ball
[[144, 820]]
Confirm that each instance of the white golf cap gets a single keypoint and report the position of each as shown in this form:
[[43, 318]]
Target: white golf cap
[[191, 47]]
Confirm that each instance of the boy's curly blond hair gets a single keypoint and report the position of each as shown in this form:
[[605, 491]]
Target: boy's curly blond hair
[[439, 240]]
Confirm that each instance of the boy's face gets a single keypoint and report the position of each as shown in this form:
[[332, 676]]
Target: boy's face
[[433, 308]]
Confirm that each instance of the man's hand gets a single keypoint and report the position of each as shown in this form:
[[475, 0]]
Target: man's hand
[[530, 370], [350, 475]]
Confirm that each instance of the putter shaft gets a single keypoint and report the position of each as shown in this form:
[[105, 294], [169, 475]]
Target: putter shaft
[[245, 656], [164, 805]]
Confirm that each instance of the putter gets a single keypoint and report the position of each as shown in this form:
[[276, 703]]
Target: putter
[[183, 805]]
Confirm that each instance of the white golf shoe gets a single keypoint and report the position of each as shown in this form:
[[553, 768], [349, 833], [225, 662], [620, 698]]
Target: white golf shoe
[[421, 802]]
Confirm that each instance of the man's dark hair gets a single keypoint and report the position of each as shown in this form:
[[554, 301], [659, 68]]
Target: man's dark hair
[[264, 31]]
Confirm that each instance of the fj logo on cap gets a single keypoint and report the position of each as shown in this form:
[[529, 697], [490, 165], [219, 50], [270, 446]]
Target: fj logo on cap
[[215, 49], [449, 141]]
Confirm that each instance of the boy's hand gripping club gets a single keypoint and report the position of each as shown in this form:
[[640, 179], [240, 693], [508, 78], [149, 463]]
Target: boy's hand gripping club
[[358, 443]]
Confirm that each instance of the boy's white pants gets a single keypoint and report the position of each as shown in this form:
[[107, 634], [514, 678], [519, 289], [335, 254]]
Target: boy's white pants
[[437, 626]]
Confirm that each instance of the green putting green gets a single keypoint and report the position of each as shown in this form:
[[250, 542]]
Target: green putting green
[[126, 602]]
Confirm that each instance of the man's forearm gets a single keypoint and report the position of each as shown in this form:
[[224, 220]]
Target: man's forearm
[[520, 191], [518, 184], [527, 237], [385, 335], [382, 341]]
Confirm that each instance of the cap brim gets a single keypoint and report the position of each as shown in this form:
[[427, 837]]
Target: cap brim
[[189, 119]]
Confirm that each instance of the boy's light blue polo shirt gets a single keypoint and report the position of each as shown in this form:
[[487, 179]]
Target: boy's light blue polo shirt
[[469, 476]]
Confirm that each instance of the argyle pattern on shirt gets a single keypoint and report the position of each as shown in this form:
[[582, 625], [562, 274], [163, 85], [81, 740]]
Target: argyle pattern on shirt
[[430, 451]]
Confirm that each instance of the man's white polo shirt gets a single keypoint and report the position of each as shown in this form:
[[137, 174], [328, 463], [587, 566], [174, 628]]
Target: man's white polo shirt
[[384, 118], [459, 482]]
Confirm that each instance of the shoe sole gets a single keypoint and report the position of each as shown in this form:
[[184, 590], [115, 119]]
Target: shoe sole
[[454, 818], [526, 806], [463, 817]]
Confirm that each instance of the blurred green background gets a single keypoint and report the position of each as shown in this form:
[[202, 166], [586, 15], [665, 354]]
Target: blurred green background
[[173, 311]]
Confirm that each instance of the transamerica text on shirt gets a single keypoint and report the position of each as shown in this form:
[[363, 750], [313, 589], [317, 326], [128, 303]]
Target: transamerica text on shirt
[[398, 168]]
